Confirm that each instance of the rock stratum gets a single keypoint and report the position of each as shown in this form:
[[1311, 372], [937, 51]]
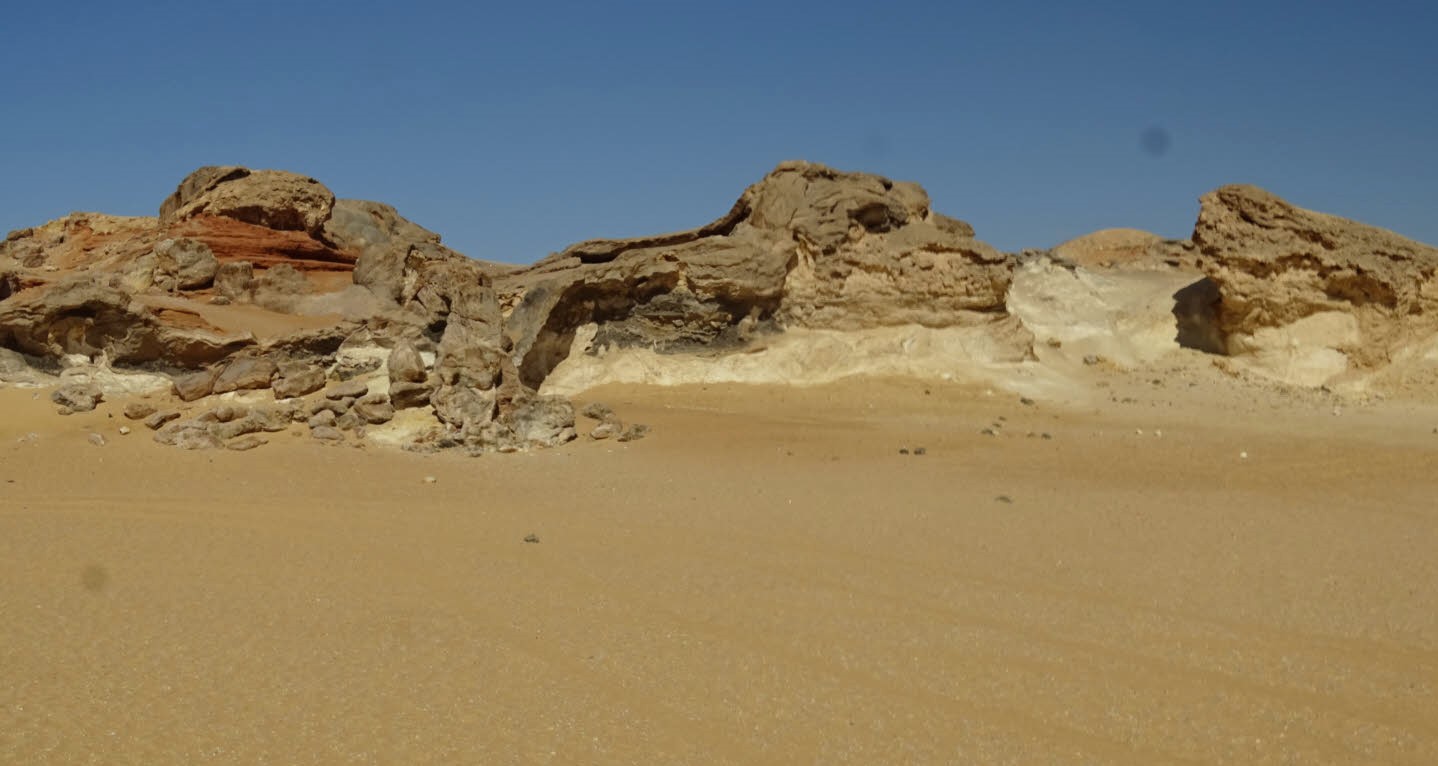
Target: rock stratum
[[258, 300]]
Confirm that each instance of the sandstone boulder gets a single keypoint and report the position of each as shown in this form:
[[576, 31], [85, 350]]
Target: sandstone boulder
[[405, 364], [12, 362], [349, 389], [542, 421], [382, 240], [391, 251], [139, 410], [327, 434], [1284, 274], [160, 419], [188, 435], [405, 395], [195, 385], [274, 199], [294, 379], [77, 397], [184, 264], [280, 288], [465, 407], [374, 409], [244, 373], [235, 280]]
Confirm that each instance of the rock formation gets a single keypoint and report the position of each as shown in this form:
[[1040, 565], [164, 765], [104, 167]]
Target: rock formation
[[165, 294], [260, 290], [1292, 278], [807, 246]]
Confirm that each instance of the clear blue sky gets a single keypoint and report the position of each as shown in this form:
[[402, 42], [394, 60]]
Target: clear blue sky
[[514, 129]]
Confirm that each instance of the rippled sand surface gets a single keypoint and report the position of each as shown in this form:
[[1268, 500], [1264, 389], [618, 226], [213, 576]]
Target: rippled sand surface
[[765, 579]]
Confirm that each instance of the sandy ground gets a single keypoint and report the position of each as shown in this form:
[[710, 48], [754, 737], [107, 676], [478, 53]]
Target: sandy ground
[[765, 579]]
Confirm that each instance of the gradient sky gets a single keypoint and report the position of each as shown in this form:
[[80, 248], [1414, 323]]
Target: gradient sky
[[515, 129]]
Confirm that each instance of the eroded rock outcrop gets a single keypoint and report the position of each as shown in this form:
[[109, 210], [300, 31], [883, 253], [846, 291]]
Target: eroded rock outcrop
[[94, 319], [165, 294], [1298, 283], [807, 246], [259, 287]]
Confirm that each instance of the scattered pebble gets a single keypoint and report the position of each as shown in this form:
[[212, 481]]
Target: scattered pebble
[[430, 480], [97, 440], [531, 538], [1046, 435], [124, 430], [921, 451], [989, 432], [1004, 499], [1026, 400], [903, 450], [1243, 455], [1138, 431]]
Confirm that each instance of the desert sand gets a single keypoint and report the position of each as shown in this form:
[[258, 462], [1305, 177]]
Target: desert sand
[[1163, 566]]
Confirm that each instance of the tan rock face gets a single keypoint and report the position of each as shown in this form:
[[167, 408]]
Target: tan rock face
[[274, 199], [807, 246], [1276, 264]]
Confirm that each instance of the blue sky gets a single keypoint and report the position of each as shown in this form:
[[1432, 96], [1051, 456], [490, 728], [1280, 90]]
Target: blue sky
[[515, 129]]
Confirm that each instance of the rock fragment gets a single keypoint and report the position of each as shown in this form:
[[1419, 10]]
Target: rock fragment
[[244, 373], [159, 419], [405, 364], [327, 433], [246, 443], [77, 397], [349, 389], [634, 433], [295, 379], [406, 395], [374, 409], [597, 411], [139, 410], [195, 385]]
